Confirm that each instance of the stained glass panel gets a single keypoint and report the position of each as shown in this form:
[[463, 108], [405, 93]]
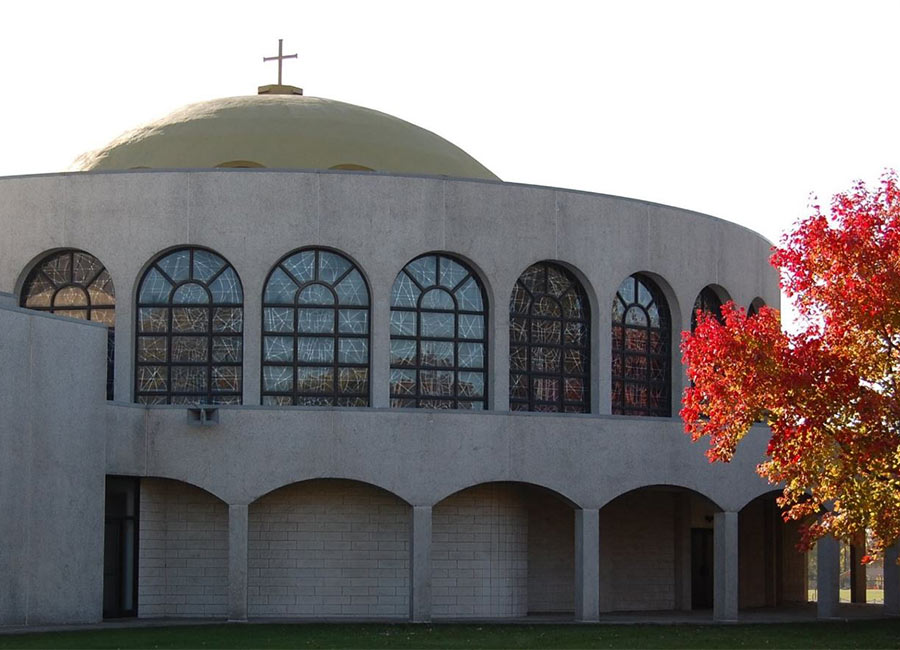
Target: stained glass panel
[[353, 351], [436, 325], [226, 289], [206, 265], [315, 321], [278, 319], [190, 348], [352, 290], [316, 294], [469, 296], [71, 297], [190, 319], [404, 293], [153, 319], [190, 294], [451, 273], [176, 266], [317, 380], [315, 350], [301, 266], [228, 320], [353, 321], [437, 299], [403, 323], [437, 354], [280, 289], [423, 271], [155, 289], [403, 353], [227, 349], [278, 348], [471, 327]]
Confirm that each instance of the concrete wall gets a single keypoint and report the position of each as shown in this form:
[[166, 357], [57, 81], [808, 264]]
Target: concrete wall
[[58, 429], [182, 552], [52, 466], [329, 548]]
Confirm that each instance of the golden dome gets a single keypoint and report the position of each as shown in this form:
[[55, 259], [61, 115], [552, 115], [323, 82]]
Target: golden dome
[[283, 132]]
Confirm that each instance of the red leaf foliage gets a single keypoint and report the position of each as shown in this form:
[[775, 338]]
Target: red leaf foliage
[[829, 393]]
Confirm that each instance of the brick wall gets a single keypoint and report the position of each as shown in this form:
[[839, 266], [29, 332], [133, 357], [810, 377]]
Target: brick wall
[[479, 553], [183, 551], [329, 548], [637, 553]]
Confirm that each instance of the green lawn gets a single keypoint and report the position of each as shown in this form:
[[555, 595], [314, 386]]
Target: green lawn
[[858, 634]]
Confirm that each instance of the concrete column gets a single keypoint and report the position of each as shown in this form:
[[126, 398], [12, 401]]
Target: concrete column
[[237, 562], [587, 565], [420, 565], [828, 562], [891, 581], [857, 574], [725, 571], [252, 337], [380, 346]]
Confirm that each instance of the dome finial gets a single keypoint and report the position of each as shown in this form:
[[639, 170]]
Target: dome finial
[[279, 88]]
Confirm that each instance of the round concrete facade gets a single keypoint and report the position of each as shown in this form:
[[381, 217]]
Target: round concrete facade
[[424, 458]]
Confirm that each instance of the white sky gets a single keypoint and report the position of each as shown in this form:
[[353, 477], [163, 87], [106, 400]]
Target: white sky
[[736, 109]]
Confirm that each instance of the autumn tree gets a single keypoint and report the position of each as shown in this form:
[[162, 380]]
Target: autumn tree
[[830, 392]]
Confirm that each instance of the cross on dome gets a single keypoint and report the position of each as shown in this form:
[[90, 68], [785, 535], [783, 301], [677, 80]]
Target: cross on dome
[[281, 57], [279, 88]]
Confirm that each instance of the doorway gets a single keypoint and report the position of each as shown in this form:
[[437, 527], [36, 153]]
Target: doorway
[[120, 547], [701, 568]]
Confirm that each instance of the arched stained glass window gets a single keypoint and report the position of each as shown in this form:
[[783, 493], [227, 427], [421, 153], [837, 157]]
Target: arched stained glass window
[[75, 284], [707, 301], [315, 332], [641, 334], [755, 306], [190, 323], [438, 336], [549, 342]]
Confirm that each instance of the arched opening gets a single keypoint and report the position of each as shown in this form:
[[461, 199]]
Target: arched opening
[[189, 330], [439, 336], [710, 301], [182, 551], [549, 342], [771, 571], [75, 284], [503, 550], [329, 547], [240, 164], [755, 306], [352, 167], [641, 349], [315, 331], [656, 550]]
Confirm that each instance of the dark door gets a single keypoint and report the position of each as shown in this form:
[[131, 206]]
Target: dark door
[[120, 542], [701, 568]]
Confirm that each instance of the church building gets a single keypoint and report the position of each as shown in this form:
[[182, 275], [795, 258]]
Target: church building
[[279, 356]]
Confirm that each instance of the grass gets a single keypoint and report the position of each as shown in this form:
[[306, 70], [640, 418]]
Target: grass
[[873, 634]]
